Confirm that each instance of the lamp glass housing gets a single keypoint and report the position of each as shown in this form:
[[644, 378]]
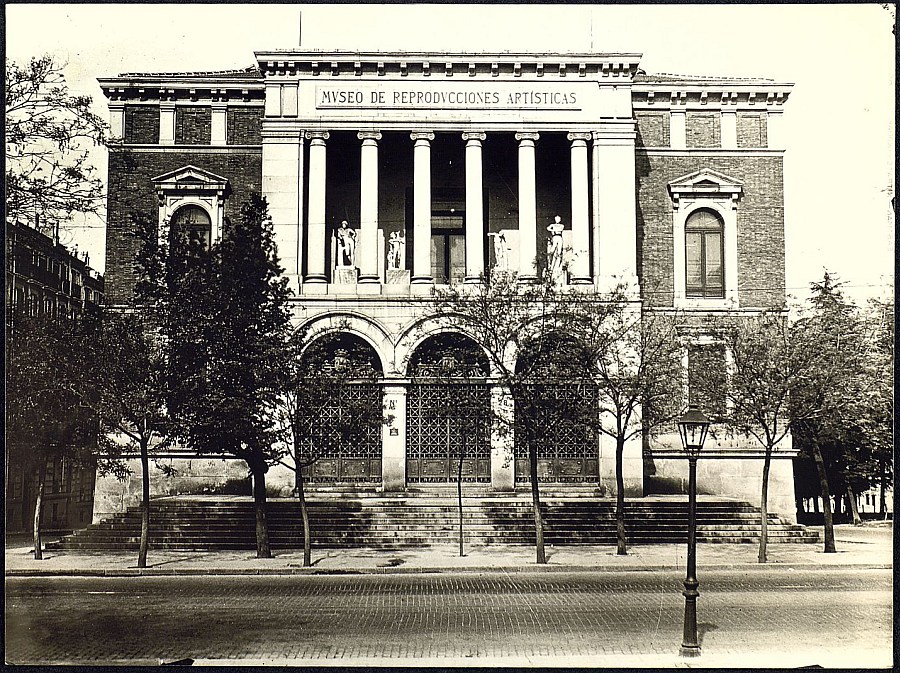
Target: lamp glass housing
[[693, 426]]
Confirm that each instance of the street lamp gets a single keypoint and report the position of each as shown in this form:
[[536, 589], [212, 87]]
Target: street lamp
[[692, 426]]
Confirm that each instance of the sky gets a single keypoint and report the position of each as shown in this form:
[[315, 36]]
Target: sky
[[838, 121]]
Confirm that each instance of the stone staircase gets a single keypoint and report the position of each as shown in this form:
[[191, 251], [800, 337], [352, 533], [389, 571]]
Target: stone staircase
[[337, 520]]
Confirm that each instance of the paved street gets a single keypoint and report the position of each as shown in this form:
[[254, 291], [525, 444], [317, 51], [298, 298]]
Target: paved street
[[796, 617]]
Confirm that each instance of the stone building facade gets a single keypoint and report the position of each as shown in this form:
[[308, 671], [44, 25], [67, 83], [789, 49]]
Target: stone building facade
[[388, 174]]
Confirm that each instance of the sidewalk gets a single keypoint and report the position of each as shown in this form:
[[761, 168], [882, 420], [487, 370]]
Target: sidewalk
[[868, 546]]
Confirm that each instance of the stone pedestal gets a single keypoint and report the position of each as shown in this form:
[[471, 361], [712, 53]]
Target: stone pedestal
[[503, 477], [398, 277], [345, 275]]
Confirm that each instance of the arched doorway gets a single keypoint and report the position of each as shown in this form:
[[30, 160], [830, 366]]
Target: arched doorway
[[341, 432], [448, 412], [558, 412]]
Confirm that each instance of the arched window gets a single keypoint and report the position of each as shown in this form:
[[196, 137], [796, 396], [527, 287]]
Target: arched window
[[704, 254], [194, 223]]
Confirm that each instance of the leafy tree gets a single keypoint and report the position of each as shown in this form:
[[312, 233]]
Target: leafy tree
[[226, 323], [318, 414], [45, 421], [830, 403], [639, 374], [127, 382], [566, 357], [49, 132]]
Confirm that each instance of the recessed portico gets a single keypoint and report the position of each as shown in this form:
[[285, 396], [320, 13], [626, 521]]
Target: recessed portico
[[409, 118]]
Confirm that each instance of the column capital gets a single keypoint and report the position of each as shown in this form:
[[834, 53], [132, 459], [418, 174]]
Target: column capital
[[317, 135], [474, 135], [369, 135], [527, 135], [422, 135], [578, 137]]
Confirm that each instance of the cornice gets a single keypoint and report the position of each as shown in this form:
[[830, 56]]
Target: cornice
[[350, 64], [153, 88], [718, 95]]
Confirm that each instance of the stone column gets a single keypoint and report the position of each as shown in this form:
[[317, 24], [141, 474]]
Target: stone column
[[616, 204], [422, 208], [581, 235], [503, 464], [367, 253], [315, 251], [393, 437], [474, 208], [527, 208]]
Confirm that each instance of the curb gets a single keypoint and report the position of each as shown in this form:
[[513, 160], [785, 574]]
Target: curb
[[336, 572]]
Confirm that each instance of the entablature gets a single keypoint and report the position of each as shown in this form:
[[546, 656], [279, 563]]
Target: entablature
[[349, 64]]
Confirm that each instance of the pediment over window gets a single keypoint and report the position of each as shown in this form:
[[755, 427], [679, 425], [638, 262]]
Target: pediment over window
[[189, 178], [706, 183]]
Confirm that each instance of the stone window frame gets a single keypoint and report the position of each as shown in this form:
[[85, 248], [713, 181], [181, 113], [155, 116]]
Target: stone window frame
[[188, 186], [705, 189]]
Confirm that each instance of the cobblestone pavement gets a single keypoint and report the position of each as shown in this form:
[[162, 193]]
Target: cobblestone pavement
[[841, 617]]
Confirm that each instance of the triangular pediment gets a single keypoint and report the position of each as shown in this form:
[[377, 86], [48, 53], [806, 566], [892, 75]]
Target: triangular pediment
[[191, 175], [706, 181]]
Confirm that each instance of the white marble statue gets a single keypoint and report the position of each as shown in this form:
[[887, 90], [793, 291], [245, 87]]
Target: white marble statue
[[500, 256], [346, 246], [396, 255], [555, 249]]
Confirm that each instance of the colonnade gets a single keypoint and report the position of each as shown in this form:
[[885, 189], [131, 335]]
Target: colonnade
[[604, 175]]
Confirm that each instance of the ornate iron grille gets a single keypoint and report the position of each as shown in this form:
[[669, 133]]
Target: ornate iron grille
[[566, 437], [442, 420], [346, 436]]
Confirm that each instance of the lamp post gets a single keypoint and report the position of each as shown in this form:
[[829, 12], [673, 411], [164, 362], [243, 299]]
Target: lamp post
[[692, 426]]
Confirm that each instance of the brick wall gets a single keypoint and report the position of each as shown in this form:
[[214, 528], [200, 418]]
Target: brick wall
[[142, 124], [760, 224], [131, 192], [193, 125], [652, 129], [243, 125], [703, 129], [751, 129]]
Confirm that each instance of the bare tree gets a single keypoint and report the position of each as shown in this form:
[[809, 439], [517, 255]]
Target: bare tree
[[49, 132]]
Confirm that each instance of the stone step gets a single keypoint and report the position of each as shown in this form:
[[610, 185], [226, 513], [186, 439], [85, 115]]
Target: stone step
[[385, 522]]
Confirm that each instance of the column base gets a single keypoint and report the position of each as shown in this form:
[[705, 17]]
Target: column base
[[472, 280], [422, 280], [689, 651], [315, 278], [581, 280], [368, 279], [527, 280]]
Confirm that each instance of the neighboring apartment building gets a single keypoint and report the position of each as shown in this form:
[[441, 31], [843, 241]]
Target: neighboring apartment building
[[45, 277], [448, 166]]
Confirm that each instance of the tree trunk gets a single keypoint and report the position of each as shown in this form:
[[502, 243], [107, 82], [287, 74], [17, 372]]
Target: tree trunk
[[40, 474], [541, 556], [854, 507], [259, 503], [815, 504], [826, 500], [764, 507], [145, 506], [621, 549], [304, 514], [459, 501]]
